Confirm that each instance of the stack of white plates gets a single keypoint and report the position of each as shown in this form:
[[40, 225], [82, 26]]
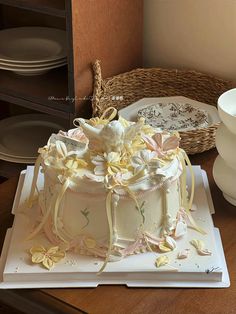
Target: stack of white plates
[[32, 50], [22, 135]]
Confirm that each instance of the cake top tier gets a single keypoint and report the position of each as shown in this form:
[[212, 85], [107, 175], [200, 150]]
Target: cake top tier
[[117, 152]]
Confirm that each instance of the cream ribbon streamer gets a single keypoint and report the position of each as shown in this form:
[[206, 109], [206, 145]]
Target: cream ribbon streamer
[[188, 204], [54, 203], [54, 206], [110, 225], [57, 205]]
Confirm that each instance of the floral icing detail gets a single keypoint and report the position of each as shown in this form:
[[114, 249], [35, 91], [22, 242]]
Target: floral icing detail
[[67, 163], [162, 143], [200, 247], [162, 261], [48, 258], [108, 163], [141, 209], [85, 213], [119, 149], [144, 160]]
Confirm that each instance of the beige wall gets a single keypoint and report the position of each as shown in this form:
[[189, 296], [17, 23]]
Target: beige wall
[[193, 34]]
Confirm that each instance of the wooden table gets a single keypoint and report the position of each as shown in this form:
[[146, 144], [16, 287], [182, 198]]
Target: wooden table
[[120, 299]]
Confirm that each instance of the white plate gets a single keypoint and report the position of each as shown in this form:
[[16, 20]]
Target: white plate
[[32, 65], [22, 135], [174, 116], [32, 44], [130, 112], [17, 160], [32, 71]]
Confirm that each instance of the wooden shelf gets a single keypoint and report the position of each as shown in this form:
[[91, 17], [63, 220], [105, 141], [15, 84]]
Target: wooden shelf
[[10, 169], [47, 93], [51, 7], [86, 24]]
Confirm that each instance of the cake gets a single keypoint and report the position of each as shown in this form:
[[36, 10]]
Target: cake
[[112, 189]]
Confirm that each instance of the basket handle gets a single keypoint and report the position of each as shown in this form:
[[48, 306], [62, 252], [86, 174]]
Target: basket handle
[[97, 86]]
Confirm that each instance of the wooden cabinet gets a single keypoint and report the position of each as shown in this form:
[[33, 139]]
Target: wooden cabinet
[[109, 30]]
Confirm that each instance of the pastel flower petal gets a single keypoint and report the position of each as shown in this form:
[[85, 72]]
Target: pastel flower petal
[[170, 242], [162, 261], [164, 248], [53, 250], [38, 258], [37, 249], [181, 229], [58, 256], [48, 263], [151, 144], [46, 257], [158, 139], [171, 142]]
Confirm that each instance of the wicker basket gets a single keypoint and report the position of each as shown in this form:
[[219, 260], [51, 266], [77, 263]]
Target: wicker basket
[[156, 82]]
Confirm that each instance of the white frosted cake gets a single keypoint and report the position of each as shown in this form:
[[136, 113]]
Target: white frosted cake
[[112, 189]]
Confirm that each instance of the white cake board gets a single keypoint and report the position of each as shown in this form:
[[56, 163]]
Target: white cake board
[[16, 270]]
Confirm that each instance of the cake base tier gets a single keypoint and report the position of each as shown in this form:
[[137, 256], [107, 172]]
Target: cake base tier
[[16, 270]]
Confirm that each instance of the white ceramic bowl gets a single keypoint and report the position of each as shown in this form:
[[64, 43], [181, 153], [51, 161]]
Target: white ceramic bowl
[[226, 145], [227, 109], [224, 177]]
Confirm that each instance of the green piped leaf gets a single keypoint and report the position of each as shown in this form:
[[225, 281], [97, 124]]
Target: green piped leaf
[[85, 213]]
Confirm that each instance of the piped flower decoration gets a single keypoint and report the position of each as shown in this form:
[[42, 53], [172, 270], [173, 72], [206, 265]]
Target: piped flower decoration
[[144, 160], [161, 145], [108, 163], [48, 258]]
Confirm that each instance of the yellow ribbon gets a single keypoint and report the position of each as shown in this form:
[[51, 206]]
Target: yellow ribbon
[[44, 219], [110, 225], [54, 204], [56, 207], [188, 204], [102, 120], [111, 116]]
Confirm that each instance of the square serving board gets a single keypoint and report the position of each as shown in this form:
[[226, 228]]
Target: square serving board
[[17, 271]]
